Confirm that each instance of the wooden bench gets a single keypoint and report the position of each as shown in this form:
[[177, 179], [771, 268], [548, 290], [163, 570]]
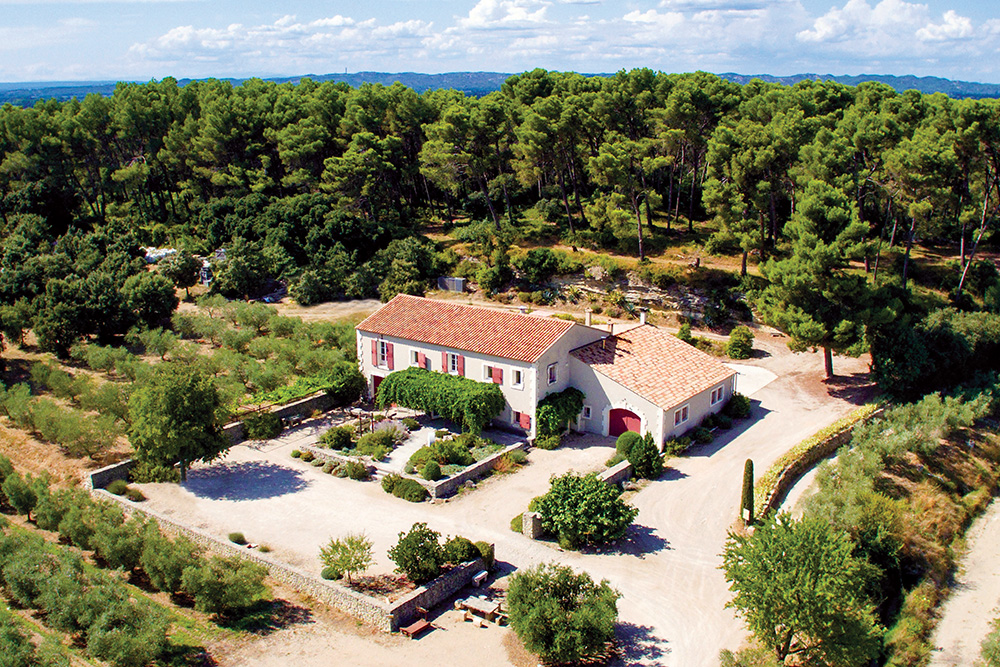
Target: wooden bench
[[415, 629]]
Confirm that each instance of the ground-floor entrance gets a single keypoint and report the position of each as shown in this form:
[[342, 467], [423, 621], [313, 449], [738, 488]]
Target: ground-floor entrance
[[621, 420]]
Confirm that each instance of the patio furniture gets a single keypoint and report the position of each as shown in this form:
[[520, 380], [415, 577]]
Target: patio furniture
[[415, 629], [480, 606]]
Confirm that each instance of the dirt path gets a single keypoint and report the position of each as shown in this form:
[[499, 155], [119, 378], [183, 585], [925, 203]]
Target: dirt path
[[968, 612]]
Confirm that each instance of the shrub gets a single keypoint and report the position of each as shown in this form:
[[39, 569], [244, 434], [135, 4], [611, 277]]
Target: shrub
[[418, 553], [296, 454], [684, 333], [625, 442], [307, 456], [349, 555], [562, 616], [135, 495], [738, 407], [445, 452], [357, 471], [118, 543], [225, 585], [411, 424], [331, 573], [486, 553], [128, 634], [411, 490], [238, 538], [675, 446], [340, 437], [118, 487], [548, 442], [614, 460], [556, 410], [431, 471], [377, 444], [645, 458], [584, 510], [725, 422], [517, 523], [318, 463], [740, 345], [328, 467], [263, 426], [702, 435], [389, 482], [396, 430], [458, 550], [20, 492]]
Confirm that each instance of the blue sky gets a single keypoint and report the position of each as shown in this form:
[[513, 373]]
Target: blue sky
[[46, 40]]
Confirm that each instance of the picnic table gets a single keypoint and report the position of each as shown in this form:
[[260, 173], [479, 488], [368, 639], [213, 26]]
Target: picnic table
[[488, 609]]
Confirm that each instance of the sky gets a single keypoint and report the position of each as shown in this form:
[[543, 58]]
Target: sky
[[70, 40]]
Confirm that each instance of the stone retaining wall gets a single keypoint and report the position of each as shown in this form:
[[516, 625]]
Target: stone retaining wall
[[790, 475], [99, 479], [387, 617], [617, 474], [321, 401]]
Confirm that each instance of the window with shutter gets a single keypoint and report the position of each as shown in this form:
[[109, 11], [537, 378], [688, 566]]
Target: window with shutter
[[388, 356], [461, 365], [525, 421], [497, 375]]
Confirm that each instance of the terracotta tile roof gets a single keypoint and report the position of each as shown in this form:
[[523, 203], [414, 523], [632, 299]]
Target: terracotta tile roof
[[654, 364], [469, 328]]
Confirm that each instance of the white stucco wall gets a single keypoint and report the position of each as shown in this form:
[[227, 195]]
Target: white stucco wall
[[699, 407], [603, 394]]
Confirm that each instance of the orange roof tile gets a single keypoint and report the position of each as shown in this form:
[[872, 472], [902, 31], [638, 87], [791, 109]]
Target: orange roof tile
[[654, 364], [469, 328]]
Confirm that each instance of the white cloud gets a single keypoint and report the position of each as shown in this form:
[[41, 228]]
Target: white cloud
[[953, 27], [503, 13]]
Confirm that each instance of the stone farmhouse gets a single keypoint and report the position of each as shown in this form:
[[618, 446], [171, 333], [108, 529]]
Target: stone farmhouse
[[639, 379]]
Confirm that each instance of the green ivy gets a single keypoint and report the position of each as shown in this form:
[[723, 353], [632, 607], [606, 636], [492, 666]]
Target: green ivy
[[467, 402], [555, 410]]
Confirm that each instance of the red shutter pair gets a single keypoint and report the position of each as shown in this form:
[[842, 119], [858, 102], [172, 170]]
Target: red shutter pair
[[447, 369], [388, 355], [497, 375]]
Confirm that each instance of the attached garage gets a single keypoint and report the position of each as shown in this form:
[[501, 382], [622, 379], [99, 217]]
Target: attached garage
[[621, 420]]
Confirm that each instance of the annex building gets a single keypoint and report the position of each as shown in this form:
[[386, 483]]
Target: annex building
[[640, 379]]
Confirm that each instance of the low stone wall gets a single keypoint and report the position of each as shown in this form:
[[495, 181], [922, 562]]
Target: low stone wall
[[617, 474], [101, 478], [810, 456], [404, 611], [449, 486], [387, 617], [321, 401], [439, 489]]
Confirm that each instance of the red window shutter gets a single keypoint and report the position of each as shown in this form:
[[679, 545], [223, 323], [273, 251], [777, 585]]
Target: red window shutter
[[375, 353], [444, 362], [388, 355], [421, 360], [461, 365], [525, 421], [497, 375]]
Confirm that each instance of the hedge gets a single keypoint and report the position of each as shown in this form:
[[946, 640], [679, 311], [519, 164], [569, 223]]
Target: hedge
[[801, 453], [467, 402]]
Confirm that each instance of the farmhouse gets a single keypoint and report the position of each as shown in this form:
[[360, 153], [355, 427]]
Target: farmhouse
[[642, 379]]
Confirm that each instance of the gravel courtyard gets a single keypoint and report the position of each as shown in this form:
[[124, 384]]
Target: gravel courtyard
[[673, 594]]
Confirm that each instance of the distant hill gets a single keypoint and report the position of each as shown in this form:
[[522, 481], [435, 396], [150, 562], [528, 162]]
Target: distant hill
[[481, 83]]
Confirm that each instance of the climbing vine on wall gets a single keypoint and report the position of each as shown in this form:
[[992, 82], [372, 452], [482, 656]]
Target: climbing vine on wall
[[555, 410], [467, 402]]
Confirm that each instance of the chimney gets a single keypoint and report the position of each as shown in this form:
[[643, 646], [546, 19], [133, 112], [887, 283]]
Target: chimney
[[588, 316], [611, 329], [642, 316]]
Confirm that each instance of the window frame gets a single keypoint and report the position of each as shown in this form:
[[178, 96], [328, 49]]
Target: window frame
[[552, 373], [681, 415], [588, 412], [452, 363], [415, 358], [517, 378], [717, 395], [383, 354]]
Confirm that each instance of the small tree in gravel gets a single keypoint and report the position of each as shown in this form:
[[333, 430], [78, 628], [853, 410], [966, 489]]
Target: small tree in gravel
[[350, 555], [582, 509], [740, 345], [747, 502], [645, 457], [418, 554]]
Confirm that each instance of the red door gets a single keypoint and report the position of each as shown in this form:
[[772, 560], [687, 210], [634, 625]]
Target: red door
[[376, 381], [621, 420]]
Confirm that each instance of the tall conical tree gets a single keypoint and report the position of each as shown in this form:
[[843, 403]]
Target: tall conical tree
[[814, 296], [747, 503]]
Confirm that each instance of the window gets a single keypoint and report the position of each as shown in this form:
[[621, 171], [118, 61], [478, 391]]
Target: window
[[493, 374], [718, 394], [586, 412], [414, 358], [517, 379], [681, 416], [515, 417], [383, 353], [454, 364], [552, 374]]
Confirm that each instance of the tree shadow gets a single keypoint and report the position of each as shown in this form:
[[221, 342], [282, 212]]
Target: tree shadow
[[266, 617], [856, 389], [671, 475], [247, 480], [758, 353], [723, 438], [638, 541], [638, 645]]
